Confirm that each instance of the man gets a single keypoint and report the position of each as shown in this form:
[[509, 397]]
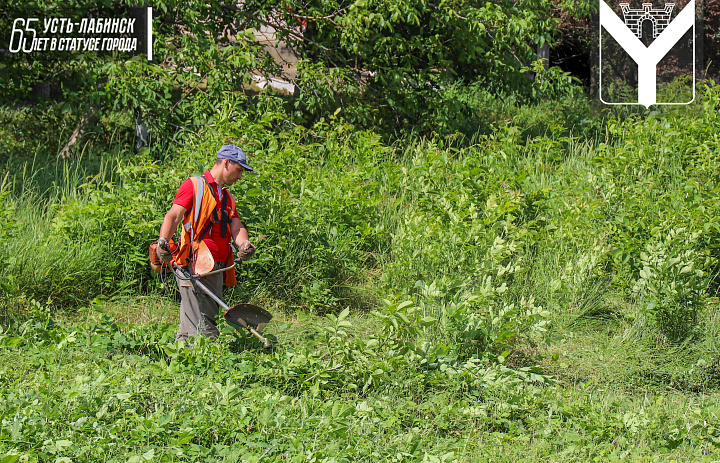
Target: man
[[209, 217]]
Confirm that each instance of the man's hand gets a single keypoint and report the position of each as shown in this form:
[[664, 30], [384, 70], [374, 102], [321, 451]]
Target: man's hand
[[246, 250], [163, 251]]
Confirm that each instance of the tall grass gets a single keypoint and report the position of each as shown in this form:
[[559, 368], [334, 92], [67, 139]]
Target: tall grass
[[560, 209], [39, 262]]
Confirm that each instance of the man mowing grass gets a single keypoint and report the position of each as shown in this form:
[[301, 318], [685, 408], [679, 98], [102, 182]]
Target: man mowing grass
[[210, 223]]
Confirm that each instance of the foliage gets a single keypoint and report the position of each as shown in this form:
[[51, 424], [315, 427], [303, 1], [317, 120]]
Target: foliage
[[384, 64], [341, 218], [395, 58], [98, 389], [7, 216], [128, 381], [670, 284], [479, 261], [435, 296]]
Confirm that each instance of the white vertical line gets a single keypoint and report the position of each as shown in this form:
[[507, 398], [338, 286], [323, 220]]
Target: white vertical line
[[149, 34]]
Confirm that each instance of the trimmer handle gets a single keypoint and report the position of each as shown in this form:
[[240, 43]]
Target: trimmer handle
[[163, 244], [182, 274]]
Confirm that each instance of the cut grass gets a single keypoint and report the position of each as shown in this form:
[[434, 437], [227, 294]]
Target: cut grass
[[233, 408], [622, 352]]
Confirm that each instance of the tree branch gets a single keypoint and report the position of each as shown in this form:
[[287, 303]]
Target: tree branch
[[88, 119]]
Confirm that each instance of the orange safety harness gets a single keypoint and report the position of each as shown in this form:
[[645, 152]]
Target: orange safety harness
[[198, 223]]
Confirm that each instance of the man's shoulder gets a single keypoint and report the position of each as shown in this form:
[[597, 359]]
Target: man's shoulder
[[185, 194], [187, 188], [187, 184]]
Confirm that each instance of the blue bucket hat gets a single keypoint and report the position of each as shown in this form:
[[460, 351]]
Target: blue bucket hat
[[235, 154]]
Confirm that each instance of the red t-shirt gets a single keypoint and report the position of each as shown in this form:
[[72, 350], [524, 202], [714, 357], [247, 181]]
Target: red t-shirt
[[218, 245]]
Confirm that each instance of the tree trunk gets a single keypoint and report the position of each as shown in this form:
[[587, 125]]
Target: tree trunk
[[89, 119]]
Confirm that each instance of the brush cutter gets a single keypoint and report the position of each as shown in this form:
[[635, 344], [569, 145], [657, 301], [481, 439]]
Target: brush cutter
[[251, 317]]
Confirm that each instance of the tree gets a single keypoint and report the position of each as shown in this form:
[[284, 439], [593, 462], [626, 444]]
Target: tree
[[384, 61], [203, 52]]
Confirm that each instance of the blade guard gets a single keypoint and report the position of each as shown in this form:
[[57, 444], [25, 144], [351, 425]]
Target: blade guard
[[248, 316]]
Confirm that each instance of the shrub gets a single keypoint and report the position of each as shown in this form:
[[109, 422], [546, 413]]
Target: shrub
[[671, 283]]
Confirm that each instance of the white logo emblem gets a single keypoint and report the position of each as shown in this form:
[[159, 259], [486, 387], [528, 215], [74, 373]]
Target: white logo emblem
[[666, 34]]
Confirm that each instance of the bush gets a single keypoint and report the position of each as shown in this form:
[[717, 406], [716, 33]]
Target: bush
[[672, 282]]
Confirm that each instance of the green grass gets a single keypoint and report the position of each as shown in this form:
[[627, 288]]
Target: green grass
[[550, 283], [88, 390]]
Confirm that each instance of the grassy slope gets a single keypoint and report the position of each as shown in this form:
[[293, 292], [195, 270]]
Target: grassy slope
[[72, 399], [92, 391]]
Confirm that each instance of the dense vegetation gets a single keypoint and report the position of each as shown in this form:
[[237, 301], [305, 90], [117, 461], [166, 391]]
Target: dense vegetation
[[459, 271], [511, 265]]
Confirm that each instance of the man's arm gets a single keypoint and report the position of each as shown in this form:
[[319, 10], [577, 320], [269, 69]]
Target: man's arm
[[172, 220], [240, 235]]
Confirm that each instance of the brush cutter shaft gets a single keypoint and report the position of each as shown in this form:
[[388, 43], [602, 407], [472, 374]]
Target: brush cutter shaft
[[267, 344], [213, 296], [195, 278]]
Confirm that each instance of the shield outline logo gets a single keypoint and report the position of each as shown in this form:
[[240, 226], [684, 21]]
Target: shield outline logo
[[647, 58]]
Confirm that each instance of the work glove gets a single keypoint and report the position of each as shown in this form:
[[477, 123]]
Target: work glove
[[163, 251], [246, 250]]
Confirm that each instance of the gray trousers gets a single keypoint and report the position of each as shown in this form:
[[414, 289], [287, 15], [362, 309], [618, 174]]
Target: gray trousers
[[198, 311]]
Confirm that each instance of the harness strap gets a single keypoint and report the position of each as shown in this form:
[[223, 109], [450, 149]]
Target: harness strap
[[199, 191], [221, 217], [188, 228], [225, 221]]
